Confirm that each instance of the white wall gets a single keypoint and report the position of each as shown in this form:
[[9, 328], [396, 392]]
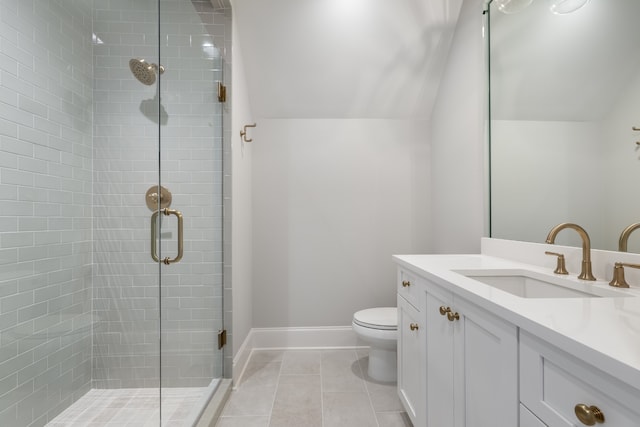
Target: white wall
[[457, 138], [338, 187], [241, 209], [332, 201]]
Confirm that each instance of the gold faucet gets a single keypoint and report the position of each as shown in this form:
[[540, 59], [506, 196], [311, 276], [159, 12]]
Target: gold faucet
[[618, 280], [624, 236], [586, 273]]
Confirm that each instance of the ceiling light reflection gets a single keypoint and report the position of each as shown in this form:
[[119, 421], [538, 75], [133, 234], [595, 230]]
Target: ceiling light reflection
[[562, 7], [512, 6]]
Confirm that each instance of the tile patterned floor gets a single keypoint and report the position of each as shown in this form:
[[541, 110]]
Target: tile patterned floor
[[323, 388], [130, 408]]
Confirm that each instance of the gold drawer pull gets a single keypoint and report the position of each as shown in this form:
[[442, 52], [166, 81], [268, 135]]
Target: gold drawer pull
[[413, 326], [444, 310], [406, 283], [589, 415], [453, 316]]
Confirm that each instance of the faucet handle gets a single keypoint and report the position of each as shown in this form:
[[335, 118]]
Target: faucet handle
[[560, 265], [618, 280]]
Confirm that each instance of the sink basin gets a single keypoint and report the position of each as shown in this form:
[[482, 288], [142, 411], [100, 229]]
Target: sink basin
[[530, 284]]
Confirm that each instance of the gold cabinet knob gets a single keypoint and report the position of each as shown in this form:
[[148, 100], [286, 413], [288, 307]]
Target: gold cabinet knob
[[589, 415], [406, 283], [453, 316], [444, 310], [413, 326]]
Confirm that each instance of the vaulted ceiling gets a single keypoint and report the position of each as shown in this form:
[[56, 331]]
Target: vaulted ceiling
[[344, 58]]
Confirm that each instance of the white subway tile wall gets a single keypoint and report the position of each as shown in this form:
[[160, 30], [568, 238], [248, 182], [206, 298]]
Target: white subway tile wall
[[79, 305], [128, 125], [45, 211]]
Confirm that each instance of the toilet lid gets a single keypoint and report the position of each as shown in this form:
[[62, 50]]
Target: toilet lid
[[377, 318]]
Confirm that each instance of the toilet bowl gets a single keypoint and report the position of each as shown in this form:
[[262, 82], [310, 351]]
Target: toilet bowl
[[378, 327]]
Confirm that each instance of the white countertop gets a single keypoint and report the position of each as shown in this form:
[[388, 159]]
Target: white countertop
[[603, 332]]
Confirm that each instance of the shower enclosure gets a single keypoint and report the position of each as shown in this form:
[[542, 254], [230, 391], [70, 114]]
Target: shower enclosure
[[111, 213]]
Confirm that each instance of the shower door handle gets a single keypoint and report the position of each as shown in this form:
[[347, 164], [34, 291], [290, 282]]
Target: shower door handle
[[154, 235]]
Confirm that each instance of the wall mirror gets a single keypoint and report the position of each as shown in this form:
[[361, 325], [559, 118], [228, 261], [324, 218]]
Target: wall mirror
[[565, 99]]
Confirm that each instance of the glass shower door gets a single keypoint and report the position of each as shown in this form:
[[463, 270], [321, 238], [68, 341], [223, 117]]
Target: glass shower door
[[190, 231]]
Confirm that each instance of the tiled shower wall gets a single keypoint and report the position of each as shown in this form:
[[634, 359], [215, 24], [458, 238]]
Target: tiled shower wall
[[45, 211], [127, 126], [47, 82]]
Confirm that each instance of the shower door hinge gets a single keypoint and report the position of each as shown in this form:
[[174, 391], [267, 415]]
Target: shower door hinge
[[222, 338], [222, 92]]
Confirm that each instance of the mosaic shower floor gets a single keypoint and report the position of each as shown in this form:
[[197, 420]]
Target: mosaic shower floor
[[131, 408]]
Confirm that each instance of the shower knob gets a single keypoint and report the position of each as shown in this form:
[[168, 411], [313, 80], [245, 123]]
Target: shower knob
[[151, 198]]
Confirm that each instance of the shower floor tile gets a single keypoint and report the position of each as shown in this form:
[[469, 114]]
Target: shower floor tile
[[130, 408]]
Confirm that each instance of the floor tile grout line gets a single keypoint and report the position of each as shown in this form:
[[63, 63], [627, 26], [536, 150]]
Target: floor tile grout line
[[321, 391], [275, 393], [366, 387]]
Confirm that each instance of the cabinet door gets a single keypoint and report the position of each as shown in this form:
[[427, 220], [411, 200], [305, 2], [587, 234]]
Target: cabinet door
[[411, 361], [527, 419], [486, 368], [440, 398]]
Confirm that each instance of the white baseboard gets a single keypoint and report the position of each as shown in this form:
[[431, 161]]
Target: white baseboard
[[240, 360], [312, 337], [292, 338]]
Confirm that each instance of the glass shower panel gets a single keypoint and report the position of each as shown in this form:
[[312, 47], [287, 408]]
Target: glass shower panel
[[191, 169]]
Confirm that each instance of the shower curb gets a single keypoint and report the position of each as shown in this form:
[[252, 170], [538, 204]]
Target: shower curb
[[213, 410]]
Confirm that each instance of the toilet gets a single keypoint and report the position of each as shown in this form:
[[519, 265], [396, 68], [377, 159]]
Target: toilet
[[378, 327]]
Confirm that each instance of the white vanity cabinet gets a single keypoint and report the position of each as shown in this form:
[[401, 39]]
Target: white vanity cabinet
[[469, 375], [472, 371], [553, 382], [439, 363], [483, 357], [411, 351], [411, 347]]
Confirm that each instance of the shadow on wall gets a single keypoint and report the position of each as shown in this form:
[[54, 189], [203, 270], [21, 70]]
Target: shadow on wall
[[154, 110]]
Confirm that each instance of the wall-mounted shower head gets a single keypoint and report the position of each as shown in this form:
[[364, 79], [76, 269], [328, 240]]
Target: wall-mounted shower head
[[145, 72]]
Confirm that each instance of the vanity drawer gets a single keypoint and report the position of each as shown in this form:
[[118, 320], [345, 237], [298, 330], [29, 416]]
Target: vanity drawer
[[410, 286], [553, 382]]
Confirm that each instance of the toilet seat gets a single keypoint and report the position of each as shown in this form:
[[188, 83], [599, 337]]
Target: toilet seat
[[381, 318]]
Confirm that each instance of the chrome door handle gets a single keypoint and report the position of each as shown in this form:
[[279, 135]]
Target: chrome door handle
[[154, 236]]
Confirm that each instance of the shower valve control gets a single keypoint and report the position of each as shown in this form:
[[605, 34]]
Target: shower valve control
[[151, 198]]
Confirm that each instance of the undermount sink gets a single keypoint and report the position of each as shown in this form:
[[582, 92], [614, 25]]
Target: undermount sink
[[530, 284]]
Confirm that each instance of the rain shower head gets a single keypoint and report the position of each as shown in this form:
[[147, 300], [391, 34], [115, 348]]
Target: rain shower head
[[144, 72]]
